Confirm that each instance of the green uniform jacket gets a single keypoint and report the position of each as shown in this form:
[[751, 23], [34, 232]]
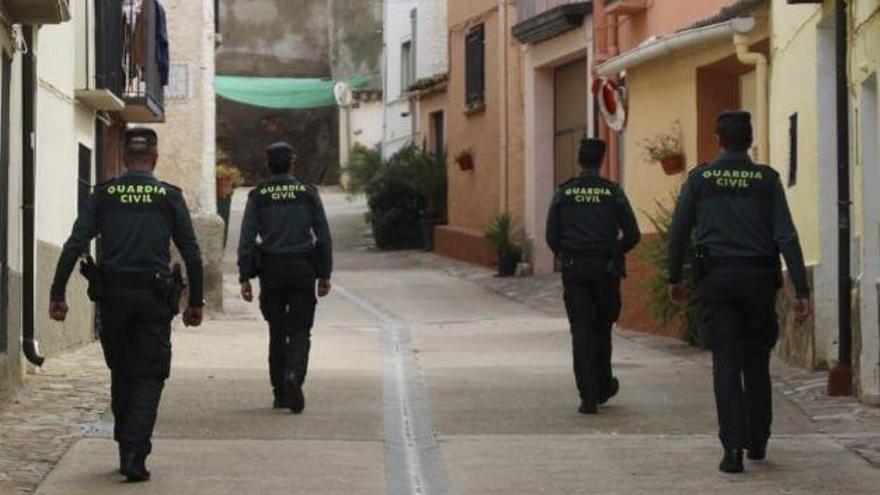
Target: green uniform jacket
[[289, 218], [591, 215], [136, 217], [738, 210]]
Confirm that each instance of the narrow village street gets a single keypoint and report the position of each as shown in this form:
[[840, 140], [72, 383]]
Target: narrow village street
[[427, 382]]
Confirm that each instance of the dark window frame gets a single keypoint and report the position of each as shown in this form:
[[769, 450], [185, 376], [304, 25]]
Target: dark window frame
[[475, 67]]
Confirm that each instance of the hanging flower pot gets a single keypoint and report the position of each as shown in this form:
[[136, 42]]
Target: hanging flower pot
[[465, 161], [673, 164]]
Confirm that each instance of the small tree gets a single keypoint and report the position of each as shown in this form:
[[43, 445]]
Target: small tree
[[662, 309]]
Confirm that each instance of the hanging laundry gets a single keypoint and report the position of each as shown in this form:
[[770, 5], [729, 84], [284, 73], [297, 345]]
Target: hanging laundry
[[163, 57]]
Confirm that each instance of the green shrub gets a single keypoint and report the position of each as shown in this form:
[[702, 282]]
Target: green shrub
[[364, 165], [662, 309], [395, 207]]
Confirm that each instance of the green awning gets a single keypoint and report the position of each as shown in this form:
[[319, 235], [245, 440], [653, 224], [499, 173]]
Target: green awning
[[282, 93]]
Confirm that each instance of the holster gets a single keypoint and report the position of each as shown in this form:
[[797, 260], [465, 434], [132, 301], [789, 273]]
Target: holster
[[701, 263], [169, 287], [89, 269], [617, 267]]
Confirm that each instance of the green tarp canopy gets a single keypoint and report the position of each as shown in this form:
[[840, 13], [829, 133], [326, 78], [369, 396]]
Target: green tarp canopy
[[282, 93]]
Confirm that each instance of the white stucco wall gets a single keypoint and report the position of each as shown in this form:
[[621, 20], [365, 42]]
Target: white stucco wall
[[62, 124], [14, 199], [431, 47], [366, 124]]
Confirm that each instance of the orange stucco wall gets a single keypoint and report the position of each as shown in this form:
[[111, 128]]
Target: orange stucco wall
[[475, 196]]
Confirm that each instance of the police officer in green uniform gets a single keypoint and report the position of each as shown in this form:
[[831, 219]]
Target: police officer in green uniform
[[295, 251], [590, 228], [742, 222], [135, 217]]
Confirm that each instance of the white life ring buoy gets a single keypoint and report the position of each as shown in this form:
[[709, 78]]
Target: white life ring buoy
[[612, 103]]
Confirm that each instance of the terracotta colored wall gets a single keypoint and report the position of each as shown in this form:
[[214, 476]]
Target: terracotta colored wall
[[661, 17], [636, 291], [474, 195]]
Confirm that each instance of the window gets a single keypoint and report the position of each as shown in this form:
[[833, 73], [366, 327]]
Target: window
[[792, 150], [407, 66], [475, 68], [84, 182], [438, 136]]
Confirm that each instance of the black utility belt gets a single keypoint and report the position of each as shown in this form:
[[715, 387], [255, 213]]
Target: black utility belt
[[130, 280], [287, 256], [584, 255], [744, 262]]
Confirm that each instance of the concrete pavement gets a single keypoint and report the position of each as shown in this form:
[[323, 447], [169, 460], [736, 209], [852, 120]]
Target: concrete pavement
[[425, 383]]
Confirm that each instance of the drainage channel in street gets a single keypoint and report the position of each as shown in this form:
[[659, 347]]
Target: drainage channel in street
[[414, 463]]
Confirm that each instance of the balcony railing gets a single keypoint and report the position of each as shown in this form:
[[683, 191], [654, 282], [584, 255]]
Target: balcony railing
[[531, 8], [38, 11], [138, 74]]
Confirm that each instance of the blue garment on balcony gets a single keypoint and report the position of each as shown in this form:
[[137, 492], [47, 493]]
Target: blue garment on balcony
[[163, 57]]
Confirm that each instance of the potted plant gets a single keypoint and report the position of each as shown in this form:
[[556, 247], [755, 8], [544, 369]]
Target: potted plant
[[663, 310], [667, 149], [465, 160], [228, 178], [506, 243]]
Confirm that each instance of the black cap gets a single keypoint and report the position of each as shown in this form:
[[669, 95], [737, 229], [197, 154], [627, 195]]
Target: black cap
[[280, 153], [733, 120], [591, 152], [140, 137]]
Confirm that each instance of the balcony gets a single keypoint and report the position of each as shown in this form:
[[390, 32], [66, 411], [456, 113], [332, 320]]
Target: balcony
[[38, 11], [136, 68], [625, 7], [120, 71], [540, 20]]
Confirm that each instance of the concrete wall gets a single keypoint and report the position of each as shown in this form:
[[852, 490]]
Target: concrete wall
[[356, 39], [275, 38], [366, 124], [865, 75], [187, 138]]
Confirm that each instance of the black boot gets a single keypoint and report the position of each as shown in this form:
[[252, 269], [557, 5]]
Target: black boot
[[281, 401], [588, 407], [732, 462], [613, 389], [293, 389], [758, 451], [134, 467]]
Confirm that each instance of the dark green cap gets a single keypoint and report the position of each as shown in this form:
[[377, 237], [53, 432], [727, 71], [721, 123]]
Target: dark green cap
[[591, 152], [733, 120], [280, 152], [140, 137]]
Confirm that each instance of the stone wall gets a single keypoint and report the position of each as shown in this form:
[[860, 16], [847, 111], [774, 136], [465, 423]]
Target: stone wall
[[275, 38], [10, 362]]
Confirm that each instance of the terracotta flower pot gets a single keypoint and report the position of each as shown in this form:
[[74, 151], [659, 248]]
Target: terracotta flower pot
[[225, 187], [466, 163], [673, 164]]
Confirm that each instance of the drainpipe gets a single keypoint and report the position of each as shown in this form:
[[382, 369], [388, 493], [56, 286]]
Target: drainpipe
[[29, 165], [503, 107], [741, 42], [840, 380]]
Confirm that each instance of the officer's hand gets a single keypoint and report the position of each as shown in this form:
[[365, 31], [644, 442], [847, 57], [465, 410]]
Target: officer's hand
[[802, 310], [192, 317], [324, 287], [58, 310], [247, 292], [678, 293]]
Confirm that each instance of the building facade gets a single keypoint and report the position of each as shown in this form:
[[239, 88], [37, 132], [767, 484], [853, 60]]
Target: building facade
[[75, 74], [187, 139]]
